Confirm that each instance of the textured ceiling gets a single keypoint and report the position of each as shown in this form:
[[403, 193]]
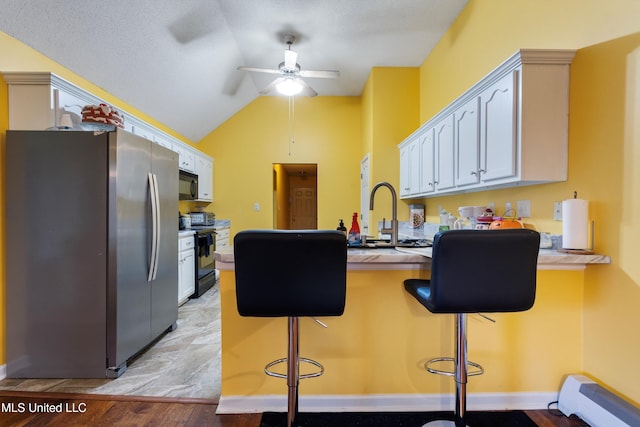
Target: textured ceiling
[[177, 60]]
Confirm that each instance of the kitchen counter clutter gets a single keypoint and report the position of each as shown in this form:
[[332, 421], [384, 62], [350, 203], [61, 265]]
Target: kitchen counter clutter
[[420, 258]]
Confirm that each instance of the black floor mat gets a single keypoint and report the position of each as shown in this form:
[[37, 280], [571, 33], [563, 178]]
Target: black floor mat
[[397, 419]]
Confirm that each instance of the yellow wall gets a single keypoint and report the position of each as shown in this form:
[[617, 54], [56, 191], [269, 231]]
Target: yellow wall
[[390, 113], [327, 131], [603, 146]]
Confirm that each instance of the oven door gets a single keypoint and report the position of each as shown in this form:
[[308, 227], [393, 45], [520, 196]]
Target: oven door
[[205, 241]]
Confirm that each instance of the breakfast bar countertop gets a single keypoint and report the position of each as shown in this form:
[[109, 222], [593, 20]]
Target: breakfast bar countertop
[[420, 258]]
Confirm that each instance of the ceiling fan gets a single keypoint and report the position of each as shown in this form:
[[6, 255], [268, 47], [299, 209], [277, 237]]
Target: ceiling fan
[[290, 83]]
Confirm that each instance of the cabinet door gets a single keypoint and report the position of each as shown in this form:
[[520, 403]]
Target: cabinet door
[[186, 158], [443, 140], [467, 143], [427, 170], [414, 167], [186, 275], [498, 142], [204, 170], [404, 171]]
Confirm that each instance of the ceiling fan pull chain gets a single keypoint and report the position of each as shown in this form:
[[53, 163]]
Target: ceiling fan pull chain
[[291, 122]]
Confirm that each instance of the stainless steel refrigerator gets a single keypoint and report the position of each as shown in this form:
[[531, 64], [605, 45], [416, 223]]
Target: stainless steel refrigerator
[[91, 251]]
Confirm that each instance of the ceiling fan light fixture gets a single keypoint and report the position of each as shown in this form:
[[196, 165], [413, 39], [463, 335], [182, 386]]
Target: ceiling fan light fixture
[[289, 87]]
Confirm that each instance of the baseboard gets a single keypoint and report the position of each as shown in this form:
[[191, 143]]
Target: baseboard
[[386, 402]]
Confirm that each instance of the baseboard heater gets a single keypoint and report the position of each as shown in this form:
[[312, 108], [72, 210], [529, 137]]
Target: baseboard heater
[[595, 405]]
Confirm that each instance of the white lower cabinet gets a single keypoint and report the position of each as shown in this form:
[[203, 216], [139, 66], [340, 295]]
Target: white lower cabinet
[[509, 129], [186, 268], [222, 237]]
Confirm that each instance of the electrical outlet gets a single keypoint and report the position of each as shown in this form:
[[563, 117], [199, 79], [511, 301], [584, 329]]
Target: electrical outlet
[[524, 208], [507, 208], [557, 211], [256, 207]]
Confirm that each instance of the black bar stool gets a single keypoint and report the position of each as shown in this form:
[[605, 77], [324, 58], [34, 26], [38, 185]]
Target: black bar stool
[[476, 271], [291, 273]]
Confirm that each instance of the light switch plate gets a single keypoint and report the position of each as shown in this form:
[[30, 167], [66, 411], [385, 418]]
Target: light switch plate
[[557, 211], [524, 208]]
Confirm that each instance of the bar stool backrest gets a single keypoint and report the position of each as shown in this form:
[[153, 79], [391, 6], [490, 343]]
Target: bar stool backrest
[[290, 273], [483, 271]]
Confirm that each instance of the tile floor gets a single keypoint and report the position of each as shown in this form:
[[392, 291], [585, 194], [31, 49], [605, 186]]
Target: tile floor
[[183, 363]]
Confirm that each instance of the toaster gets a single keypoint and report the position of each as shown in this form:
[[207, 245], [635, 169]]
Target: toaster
[[202, 218]]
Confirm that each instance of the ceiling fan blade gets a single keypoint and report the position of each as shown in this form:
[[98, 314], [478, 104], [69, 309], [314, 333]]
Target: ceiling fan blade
[[271, 89], [322, 74], [260, 70], [307, 90]]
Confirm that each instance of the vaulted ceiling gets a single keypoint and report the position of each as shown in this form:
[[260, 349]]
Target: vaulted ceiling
[[177, 60]]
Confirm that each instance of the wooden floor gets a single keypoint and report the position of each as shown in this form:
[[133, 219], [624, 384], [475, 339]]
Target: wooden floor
[[74, 410]]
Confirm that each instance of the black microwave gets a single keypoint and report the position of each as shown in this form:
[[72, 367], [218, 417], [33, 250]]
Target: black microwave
[[187, 185]]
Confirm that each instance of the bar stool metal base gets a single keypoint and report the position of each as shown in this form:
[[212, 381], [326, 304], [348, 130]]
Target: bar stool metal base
[[460, 373], [293, 371], [442, 423], [427, 365]]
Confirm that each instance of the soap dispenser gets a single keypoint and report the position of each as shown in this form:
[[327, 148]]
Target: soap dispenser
[[354, 231], [342, 228]]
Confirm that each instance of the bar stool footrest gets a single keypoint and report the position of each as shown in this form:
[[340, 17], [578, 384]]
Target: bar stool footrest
[[268, 371], [479, 370]]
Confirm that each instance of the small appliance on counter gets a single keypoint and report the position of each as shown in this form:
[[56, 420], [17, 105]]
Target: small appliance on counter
[[202, 218], [184, 222]]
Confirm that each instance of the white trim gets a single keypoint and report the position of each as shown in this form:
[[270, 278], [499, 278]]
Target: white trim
[[386, 402], [3, 372]]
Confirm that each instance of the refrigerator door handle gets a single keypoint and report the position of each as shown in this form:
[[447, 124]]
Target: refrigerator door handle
[[158, 225], [154, 227]]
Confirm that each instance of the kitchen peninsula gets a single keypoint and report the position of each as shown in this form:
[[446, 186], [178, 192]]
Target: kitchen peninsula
[[373, 354]]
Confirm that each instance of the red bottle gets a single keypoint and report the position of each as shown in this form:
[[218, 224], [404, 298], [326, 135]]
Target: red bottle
[[354, 231]]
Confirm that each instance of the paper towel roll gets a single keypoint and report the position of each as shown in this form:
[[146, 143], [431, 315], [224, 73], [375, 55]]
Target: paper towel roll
[[575, 224]]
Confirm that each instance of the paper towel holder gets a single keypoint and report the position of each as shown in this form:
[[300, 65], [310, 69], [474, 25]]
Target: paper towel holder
[[583, 251]]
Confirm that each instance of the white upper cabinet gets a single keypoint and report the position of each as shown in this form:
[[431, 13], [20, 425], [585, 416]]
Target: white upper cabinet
[[498, 138], [445, 154], [410, 178], [204, 170], [186, 158], [509, 129], [467, 143], [427, 156], [40, 100]]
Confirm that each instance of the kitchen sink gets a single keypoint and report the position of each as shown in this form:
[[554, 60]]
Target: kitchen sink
[[382, 244]]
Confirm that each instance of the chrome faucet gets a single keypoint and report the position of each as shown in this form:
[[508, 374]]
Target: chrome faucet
[[394, 212]]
